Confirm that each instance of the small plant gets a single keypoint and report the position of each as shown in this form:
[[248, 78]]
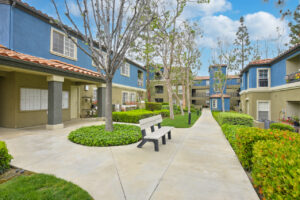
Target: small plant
[[281, 126], [5, 158], [97, 135], [153, 106], [235, 119]]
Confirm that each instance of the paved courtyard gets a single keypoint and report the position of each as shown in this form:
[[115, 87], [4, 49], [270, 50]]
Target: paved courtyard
[[198, 163]]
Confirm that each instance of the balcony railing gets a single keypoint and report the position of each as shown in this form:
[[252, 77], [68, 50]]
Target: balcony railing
[[294, 77], [200, 95]]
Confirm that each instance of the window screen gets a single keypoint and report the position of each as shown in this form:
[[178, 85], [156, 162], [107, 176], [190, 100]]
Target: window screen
[[263, 78]]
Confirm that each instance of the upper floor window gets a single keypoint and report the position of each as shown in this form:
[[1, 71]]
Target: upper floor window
[[263, 78], [207, 82], [214, 103], [159, 89], [125, 69], [140, 78], [179, 89], [61, 45], [100, 59]]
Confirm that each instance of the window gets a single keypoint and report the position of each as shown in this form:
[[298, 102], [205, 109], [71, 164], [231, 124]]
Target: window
[[37, 99], [61, 45], [179, 89], [125, 69], [94, 98], [140, 78], [263, 77], [132, 97], [159, 100], [159, 89], [65, 100], [174, 88], [207, 102], [125, 97], [263, 110], [207, 82], [104, 57], [215, 103], [207, 93]]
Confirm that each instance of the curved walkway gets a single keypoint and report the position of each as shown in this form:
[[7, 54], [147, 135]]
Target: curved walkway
[[198, 163]]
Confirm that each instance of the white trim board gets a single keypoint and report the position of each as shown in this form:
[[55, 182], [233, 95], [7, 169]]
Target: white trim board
[[128, 87]]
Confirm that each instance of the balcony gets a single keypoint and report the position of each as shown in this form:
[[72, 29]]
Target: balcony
[[293, 77], [200, 95]]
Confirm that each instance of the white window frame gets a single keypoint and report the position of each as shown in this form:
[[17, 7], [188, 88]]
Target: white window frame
[[263, 101], [123, 92], [257, 77], [127, 65], [60, 54], [65, 102], [141, 80], [214, 103], [180, 91], [132, 93], [207, 82]]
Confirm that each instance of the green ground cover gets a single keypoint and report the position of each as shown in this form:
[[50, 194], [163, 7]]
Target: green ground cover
[[181, 121]]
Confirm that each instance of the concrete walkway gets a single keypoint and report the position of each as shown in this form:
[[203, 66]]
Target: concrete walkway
[[198, 163]]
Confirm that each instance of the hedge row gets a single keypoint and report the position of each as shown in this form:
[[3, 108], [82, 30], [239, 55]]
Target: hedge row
[[276, 169], [134, 116], [247, 137], [153, 106], [281, 126], [234, 119], [230, 133], [5, 157]]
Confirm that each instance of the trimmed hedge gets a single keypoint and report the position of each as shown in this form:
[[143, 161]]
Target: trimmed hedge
[[234, 119], [281, 126], [153, 106], [132, 116], [230, 133], [276, 169], [97, 135], [247, 137], [5, 157]]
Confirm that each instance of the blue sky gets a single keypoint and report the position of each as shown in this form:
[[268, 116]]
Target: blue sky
[[220, 19]]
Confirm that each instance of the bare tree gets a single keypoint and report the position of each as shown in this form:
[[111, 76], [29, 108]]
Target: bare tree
[[110, 26]]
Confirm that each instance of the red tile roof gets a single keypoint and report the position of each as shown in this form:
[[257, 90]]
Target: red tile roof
[[201, 78], [233, 76], [219, 96], [260, 62], [49, 63]]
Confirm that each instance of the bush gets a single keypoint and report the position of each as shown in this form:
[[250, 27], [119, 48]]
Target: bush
[[132, 116], [276, 169], [5, 157], [163, 113], [165, 104], [281, 126], [97, 135], [230, 133], [215, 114], [234, 119], [247, 137], [192, 110], [153, 106], [165, 107]]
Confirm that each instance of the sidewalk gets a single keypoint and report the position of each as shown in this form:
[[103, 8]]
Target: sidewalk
[[198, 163]]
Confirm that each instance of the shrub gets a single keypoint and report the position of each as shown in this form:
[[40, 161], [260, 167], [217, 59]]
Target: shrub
[[132, 116], [153, 106], [192, 110], [276, 169], [247, 137], [281, 126], [163, 113], [165, 103], [234, 119], [215, 114], [98, 136], [165, 107], [5, 157], [230, 133]]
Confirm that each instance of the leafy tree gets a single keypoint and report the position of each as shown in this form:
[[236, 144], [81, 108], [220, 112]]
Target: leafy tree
[[295, 28], [242, 43]]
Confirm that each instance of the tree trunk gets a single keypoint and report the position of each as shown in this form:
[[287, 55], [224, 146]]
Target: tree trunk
[[183, 93], [223, 104], [148, 85], [180, 105], [188, 90], [169, 87], [108, 107]]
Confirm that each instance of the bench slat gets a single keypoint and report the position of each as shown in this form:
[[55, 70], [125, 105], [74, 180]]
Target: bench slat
[[148, 122]]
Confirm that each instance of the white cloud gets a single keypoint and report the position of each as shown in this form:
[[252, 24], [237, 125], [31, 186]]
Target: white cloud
[[261, 26]]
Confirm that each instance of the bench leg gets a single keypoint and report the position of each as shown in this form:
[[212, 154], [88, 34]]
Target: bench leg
[[156, 145], [140, 145], [163, 139], [169, 135]]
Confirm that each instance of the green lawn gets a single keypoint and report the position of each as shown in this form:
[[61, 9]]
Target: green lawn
[[181, 121], [41, 186]]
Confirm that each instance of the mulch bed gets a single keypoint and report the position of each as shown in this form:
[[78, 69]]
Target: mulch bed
[[12, 173]]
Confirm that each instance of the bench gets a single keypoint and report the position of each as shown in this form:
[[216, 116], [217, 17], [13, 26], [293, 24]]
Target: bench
[[154, 135]]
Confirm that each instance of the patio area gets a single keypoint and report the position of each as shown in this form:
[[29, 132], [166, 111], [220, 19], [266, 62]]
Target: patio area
[[198, 163]]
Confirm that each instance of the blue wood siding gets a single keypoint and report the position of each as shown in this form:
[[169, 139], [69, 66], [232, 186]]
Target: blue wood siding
[[219, 106], [212, 71], [5, 25], [200, 82], [31, 35]]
